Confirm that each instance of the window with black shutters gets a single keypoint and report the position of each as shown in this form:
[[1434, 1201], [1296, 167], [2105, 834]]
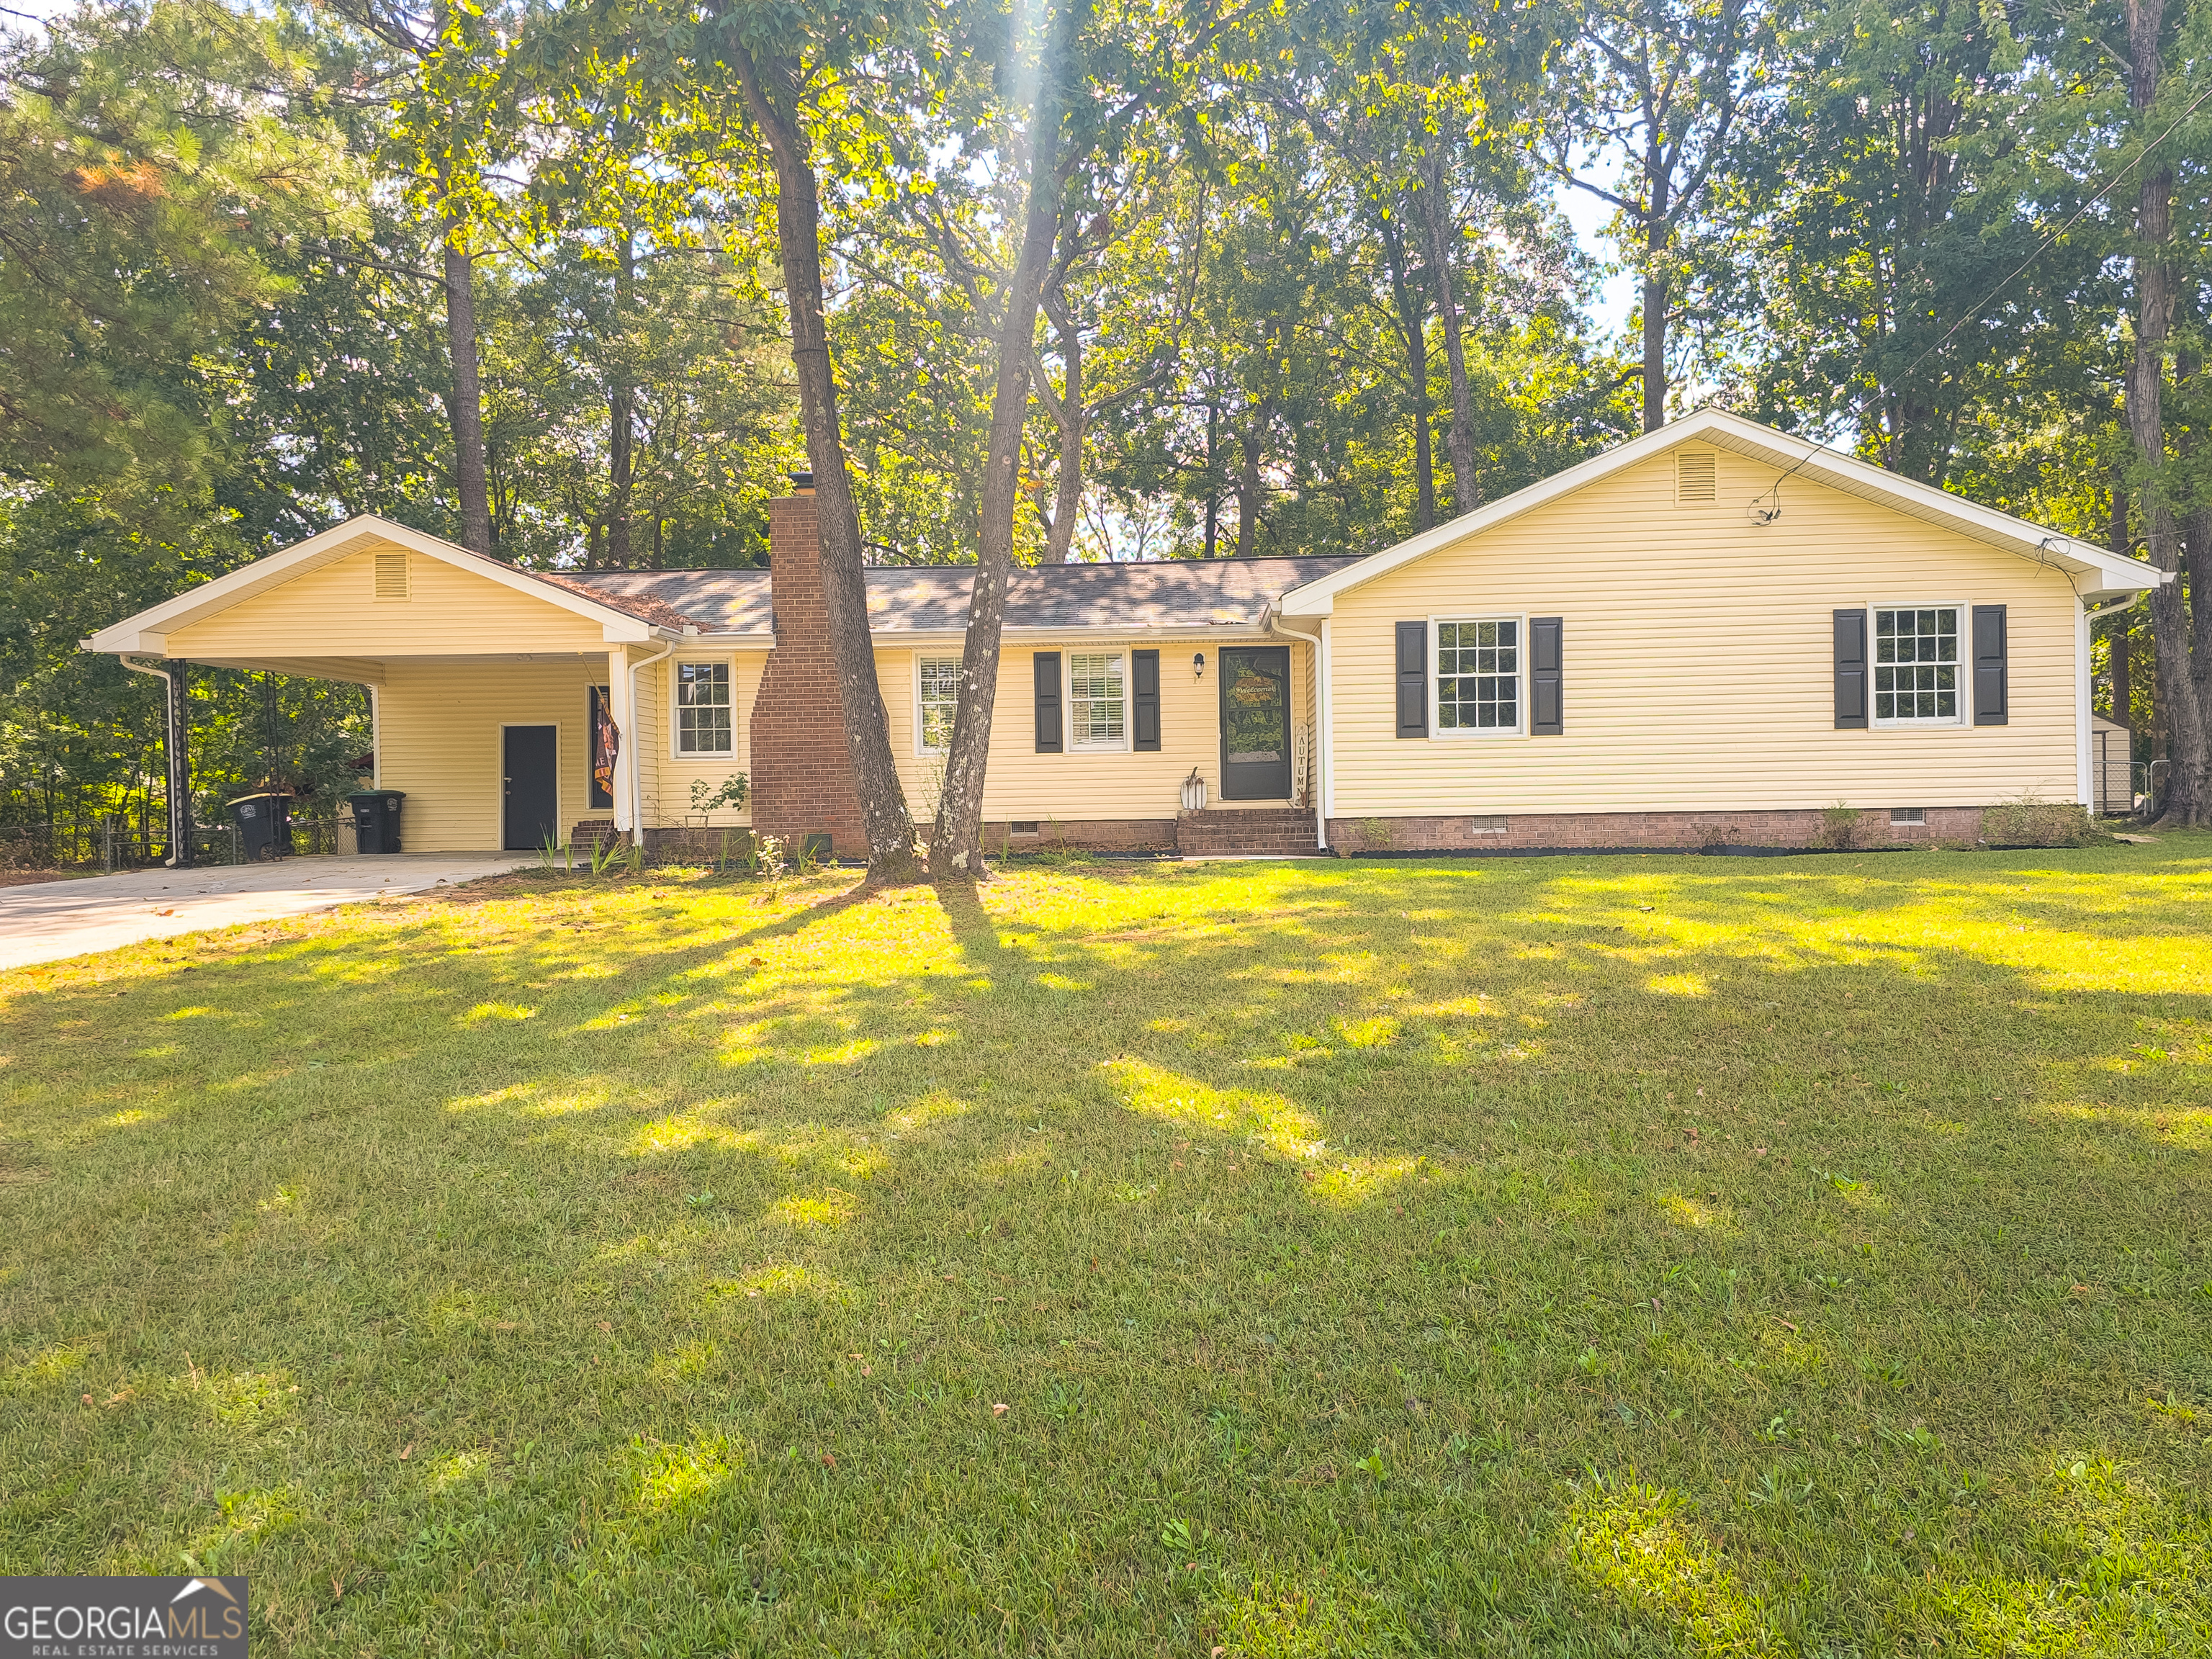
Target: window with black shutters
[[1144, 698], [1048, 702], [1412, 679]]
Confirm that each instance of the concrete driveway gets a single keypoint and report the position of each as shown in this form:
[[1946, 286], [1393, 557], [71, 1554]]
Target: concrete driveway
[[49, 920]]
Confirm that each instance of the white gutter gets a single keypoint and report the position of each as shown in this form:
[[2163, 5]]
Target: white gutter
[[633, 785]]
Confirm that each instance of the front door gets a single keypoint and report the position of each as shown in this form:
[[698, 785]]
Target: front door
[[1256, 723], [533, 787]]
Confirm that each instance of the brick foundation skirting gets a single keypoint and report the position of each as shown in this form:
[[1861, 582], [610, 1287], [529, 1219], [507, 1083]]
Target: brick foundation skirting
[[1658, 831], [1100, 835]]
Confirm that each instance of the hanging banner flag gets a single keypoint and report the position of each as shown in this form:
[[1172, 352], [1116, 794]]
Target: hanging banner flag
[[606, 744]]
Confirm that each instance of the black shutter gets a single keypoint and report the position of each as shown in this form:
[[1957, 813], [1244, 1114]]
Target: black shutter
[[1850, 668], [1990, 665], [1145, 699], [1048, 702], [1545, 706], [1413, 679]]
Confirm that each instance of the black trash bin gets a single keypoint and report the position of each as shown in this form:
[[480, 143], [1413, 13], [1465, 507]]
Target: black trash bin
[[264, 826], [376, 819]]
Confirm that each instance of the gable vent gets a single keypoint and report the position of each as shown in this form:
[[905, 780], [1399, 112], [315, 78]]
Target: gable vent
[[1695, 479], [392, 575]]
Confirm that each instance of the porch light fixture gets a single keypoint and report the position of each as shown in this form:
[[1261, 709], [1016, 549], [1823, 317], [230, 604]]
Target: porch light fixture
[[1198, 664]]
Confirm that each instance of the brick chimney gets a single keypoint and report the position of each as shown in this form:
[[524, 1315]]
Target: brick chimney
[[802, 773]]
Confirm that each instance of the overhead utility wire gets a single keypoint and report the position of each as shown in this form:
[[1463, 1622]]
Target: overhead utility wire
[[1974, 310]]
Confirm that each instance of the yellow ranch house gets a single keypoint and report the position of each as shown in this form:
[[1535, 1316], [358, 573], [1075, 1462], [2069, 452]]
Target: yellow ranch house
[[1706, 637]]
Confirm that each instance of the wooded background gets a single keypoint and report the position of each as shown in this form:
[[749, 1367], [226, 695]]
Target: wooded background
[[1302, 284]]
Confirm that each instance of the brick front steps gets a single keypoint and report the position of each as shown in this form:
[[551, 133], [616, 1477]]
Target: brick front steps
[[1262, 832]]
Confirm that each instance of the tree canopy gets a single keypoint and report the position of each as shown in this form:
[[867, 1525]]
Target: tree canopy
[[1299, 281]]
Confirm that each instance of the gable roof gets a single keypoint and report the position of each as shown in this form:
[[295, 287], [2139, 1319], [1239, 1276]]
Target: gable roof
[[2109, 575], [619, 619]]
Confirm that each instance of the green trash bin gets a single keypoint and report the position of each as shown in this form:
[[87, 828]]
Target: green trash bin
[[376, 819], [264, 826]]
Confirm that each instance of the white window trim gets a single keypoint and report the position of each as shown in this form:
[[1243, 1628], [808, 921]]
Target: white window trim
[[1067, 700], [921, 749], [675, 749], [1965, 666], [1437, 732]]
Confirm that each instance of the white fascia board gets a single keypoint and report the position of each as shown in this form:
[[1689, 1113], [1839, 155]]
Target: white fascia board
[[327, 547], [1107, 633], [1792, 456], [760, 641]]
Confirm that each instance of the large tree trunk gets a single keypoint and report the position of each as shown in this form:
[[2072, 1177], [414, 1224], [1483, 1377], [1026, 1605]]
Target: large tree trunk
[[1067, 414], [1253, 443], [465, 409], [2186, 802], [956, 840], [1212, 476], [2120, 643], [1413, 326], [844, 587], [1658, 291], [1458, 441], [622, 417]]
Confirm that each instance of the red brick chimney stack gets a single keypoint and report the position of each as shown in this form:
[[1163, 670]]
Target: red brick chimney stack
[[802, 772]]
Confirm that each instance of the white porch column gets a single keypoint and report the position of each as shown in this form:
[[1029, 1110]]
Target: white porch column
[[625, 719]]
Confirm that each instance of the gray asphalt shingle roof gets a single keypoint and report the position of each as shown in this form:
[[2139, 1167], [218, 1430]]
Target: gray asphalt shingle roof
[[933, 598]]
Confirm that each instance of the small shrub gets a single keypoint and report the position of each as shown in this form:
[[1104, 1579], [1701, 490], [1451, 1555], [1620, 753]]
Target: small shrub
[[1375, 833], [2030, 821], [1839, 825]]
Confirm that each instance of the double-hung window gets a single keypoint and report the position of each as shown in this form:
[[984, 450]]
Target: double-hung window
[[1915, 665], [1478, 675], [1098, 700], [937, 690], [702, 709]]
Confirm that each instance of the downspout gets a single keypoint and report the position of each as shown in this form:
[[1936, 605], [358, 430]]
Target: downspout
[[178, 786], [636, 779], [2084, 721], [1325, 797]]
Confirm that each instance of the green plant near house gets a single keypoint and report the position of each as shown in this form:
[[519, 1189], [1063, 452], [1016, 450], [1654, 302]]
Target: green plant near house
[[2031, 821], [732, 792], [548, 849], [604, 854], [1840, 825], [1375, 835]]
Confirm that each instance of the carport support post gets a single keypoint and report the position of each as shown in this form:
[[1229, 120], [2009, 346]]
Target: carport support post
[[179, 753], [625, 719]]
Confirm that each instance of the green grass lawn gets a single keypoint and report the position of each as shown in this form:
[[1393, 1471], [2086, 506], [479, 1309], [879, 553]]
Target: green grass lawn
[[1580, 1255]]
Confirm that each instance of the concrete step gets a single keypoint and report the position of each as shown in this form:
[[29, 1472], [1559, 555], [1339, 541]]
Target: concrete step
[[1284, 831]]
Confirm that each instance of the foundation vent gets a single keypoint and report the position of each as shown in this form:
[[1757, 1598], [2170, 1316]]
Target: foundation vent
[[391, 576], [1695, 477]]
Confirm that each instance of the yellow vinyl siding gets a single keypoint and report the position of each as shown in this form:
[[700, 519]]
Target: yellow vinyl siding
[[439, 739], [667, 776], [1082, 785], [333, 611], [1698, 659]]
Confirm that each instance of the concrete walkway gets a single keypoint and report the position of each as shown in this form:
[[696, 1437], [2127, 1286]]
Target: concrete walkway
[[47, 922]]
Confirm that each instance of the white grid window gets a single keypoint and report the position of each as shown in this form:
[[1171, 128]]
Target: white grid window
[[1915, 665], [702, 709], [938, 682], [1479, 676], [1097, 706]]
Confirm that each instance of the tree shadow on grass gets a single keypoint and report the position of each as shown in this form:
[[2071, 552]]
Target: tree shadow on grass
[[1368, 1259]]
